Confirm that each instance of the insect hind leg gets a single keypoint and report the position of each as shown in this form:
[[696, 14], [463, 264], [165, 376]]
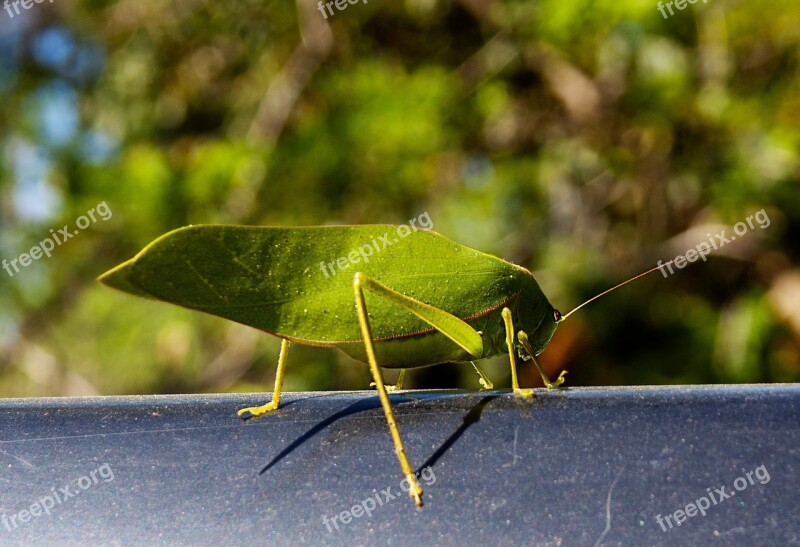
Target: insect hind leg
[[415, 490]]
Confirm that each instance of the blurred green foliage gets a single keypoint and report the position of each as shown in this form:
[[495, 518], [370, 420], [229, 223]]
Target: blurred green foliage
[[585, 140]]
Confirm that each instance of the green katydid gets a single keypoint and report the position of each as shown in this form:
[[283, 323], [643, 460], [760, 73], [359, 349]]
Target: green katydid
[[430, 299]]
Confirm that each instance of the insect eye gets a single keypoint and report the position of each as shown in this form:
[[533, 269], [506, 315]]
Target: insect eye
[[556, 315]]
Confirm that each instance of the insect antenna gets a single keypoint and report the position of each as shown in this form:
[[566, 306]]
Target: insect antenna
[[615, 287]]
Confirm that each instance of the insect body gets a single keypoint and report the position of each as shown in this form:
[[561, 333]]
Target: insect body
[[420, 301]]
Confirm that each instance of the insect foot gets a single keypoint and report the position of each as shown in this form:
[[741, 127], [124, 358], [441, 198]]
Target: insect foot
[[560, 380], [256, 411], [414, 490], [390, 388], [484, 380], [523, 338], [398, 385]]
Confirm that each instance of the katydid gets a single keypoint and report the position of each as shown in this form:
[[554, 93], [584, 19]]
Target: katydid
[[407, 302]]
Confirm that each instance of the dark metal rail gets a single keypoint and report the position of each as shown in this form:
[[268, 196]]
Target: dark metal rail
[[569, 467]]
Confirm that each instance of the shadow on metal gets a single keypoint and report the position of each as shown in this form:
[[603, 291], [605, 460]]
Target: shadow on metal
[[359, 406], [472, 417]]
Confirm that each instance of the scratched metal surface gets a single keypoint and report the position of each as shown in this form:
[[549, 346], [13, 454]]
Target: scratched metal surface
[[572, 467]]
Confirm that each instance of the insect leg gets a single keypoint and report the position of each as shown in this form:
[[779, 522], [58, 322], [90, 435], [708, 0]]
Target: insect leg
[[415, 490], [523, 338], [276, 394], [509, 324], [484, 380], [398, 385], [448, 324]]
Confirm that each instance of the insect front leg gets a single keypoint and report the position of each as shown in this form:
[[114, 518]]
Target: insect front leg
[[276, 394], [523, 338], [509, 324], [415, 490]]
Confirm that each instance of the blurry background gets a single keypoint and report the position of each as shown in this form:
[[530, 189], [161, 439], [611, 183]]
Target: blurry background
[[582, 139]]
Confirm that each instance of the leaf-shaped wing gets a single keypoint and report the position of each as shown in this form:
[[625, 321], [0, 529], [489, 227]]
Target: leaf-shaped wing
[[297, 282]]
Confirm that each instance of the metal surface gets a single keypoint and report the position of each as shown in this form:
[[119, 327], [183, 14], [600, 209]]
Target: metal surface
[[569, 467]]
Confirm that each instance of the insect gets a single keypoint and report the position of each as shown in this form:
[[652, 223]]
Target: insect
[[418, 300]]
